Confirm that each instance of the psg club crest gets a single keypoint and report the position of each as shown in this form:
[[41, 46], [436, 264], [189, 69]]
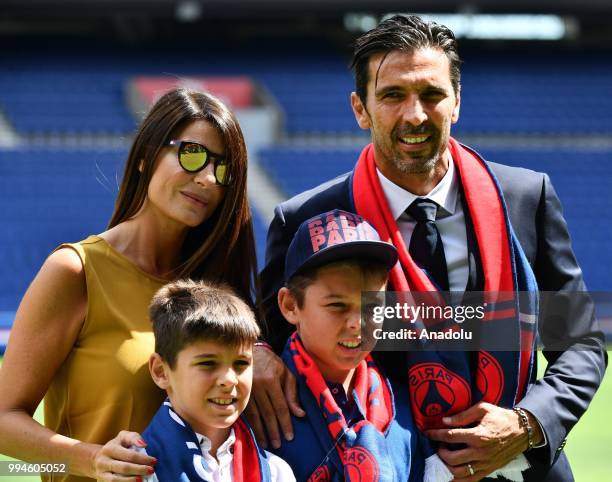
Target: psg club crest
[[436, 391], [360, 465], [490, 379], [320, 475]]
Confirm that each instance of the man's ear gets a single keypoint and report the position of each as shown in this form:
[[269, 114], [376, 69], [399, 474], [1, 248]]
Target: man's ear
[[360, 111], [159, 371], [288, 305], [455, 116]]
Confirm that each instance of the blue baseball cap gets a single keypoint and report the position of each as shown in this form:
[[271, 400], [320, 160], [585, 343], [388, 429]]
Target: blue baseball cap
[[334, 236]]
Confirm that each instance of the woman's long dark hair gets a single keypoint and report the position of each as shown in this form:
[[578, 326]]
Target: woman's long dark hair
[[222, 248]]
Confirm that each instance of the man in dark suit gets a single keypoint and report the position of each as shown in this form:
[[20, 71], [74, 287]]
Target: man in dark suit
[[408, 96]]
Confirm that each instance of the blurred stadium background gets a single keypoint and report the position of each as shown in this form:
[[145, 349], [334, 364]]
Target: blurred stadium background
[[75, 77]]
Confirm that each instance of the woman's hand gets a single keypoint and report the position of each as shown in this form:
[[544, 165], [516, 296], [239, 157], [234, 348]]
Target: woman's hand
[[46, 327], [274, 394], [117, 461]]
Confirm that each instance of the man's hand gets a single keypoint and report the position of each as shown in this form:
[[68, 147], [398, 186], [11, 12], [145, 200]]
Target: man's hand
[[495, 440], [274, 394]]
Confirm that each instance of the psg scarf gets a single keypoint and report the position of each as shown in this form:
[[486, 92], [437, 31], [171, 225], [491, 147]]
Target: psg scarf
[[175, 445], [497, 377], [361, 447]]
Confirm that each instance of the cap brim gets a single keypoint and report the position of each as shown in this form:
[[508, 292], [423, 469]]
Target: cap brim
[[375, 251]]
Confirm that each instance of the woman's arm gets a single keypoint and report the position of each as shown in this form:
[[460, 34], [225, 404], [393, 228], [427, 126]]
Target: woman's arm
[[46, 327]]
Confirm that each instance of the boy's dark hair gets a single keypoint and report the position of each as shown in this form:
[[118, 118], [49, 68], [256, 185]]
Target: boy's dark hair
[[298, 283], [406, 33], [186, 311]]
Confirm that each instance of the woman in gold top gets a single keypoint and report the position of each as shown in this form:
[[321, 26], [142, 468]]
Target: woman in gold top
[[81, 336]]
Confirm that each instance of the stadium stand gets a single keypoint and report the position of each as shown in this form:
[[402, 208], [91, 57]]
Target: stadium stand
[[50, 196], [504, 92], [56, 194]]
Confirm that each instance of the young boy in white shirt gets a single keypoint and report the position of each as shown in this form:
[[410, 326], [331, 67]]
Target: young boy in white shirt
[[204, 336]]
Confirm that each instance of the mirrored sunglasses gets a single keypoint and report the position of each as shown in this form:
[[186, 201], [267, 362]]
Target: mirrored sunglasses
[[193, 157]]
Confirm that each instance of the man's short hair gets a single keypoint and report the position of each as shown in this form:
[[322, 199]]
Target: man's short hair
[[406, 33], [298, 283], [187, 311]]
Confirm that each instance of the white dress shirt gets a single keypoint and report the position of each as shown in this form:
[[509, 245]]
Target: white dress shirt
[[220, 469], [450, 221]]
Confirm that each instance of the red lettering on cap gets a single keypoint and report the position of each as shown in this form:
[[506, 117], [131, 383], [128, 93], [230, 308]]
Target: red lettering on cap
[[330, 223], [315, 227], [334, 237], [347, 221], [317, 241], [350, 234]]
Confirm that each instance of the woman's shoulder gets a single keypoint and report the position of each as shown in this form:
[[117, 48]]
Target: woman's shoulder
[[57, 297], [66, 260], [73, 256]]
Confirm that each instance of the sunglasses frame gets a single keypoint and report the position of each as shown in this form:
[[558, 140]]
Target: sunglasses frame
[[210, 156]]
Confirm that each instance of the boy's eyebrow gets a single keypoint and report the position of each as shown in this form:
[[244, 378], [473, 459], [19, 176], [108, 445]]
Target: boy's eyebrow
[[213, 355], [334, 295]]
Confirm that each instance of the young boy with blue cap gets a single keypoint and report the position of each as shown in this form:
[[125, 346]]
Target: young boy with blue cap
[[351, 430]]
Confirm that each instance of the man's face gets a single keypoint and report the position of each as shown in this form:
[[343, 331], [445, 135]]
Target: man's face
[[410, 107]]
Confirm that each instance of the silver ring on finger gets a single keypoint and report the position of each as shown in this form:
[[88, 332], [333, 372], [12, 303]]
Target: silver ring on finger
[[471, 469]]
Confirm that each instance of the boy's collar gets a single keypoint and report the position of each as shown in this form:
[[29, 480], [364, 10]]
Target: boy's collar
[[225, 447], [205, 443]]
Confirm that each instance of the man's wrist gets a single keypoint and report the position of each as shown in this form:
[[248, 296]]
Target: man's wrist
[[538, 433], [531, 428]]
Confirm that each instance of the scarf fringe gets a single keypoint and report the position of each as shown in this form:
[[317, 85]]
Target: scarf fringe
[[436, 470], [513, 470]]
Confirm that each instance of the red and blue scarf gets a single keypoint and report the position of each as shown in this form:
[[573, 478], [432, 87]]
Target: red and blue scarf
[[443, 383], [361, 447], [175, 445]]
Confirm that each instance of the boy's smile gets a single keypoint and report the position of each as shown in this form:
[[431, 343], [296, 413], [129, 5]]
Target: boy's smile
[[210, 385], [329, 321]]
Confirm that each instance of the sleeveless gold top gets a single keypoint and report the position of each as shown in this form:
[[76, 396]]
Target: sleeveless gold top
[[104, 385]]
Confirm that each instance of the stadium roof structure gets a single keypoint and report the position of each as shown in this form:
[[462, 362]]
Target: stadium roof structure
[[234, 8]]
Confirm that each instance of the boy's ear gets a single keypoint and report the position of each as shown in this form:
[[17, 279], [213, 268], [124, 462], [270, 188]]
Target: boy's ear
[[159, 371], [288, 305]]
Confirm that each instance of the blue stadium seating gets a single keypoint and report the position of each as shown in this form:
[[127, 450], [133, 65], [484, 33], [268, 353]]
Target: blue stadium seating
[[52, 196], [530, 93]]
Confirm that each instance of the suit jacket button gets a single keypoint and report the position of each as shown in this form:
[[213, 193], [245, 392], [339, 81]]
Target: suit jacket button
[[562, 445]]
